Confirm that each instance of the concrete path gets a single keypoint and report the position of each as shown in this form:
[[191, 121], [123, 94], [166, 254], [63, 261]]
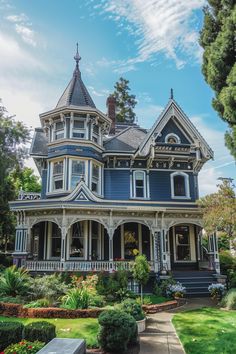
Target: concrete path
[[160, 336]]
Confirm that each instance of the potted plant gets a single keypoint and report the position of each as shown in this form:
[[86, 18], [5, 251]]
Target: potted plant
[[216, 291], [177, 291], [134, 309]]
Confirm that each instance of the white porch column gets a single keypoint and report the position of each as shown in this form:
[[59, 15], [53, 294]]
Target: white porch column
[[110, 234], [156, 250], [165, 253], [20, 252], [63, 244]]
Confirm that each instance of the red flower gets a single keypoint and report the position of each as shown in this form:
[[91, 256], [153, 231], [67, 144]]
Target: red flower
[[30, 347], [2, 353]]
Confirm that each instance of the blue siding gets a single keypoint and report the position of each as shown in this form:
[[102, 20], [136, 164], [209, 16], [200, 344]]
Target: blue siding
[[74, 150], [160, 186], [44, 184], [117, 184], [171, 127]]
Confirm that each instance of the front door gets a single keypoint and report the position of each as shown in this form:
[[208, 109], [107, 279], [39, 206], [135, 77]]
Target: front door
[[183, 250]]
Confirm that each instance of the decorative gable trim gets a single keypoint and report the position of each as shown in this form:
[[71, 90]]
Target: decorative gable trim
[[82, 193], [173, 109], [81, 197]]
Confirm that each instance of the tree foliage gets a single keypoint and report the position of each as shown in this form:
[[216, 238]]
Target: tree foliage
[[219, 211], [125, 102], [13, 136], [141, 270], [25, 179], [219, 67]]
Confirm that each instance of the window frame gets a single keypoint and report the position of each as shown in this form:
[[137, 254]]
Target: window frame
[[53, 163], [175, 136], [78, 130], [98, 180], [56, 131], [70, 171], [134, 194], [187, 187], [96, 135]]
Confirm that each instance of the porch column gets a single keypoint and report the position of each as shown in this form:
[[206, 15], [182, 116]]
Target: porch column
[[157, 251], [110, 234], [165, 255], [213, 252], [20, 252], [63, 244]]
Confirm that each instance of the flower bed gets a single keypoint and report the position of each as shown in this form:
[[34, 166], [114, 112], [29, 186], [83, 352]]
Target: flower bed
[[17, 310]]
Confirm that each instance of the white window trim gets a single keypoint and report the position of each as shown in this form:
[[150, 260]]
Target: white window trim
[[85, 171], [133, 193], [52, 190], [54, 130], [191, 244], [186, 181], [84, 130], [174, 136], [99, 192]]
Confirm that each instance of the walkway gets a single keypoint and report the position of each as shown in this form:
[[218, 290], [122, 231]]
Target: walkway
[[160, 336]]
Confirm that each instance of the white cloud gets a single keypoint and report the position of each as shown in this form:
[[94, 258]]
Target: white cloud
[[26, 33], [17, 18], [146, 115], [98, 93], [160, 26]]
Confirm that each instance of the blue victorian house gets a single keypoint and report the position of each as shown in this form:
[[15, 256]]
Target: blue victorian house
[[111, 190]]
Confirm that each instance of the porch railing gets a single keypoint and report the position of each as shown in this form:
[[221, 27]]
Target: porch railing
[[78, 266]]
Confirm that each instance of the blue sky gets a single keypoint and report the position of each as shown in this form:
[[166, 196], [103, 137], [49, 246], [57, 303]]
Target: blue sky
[[154, 44]]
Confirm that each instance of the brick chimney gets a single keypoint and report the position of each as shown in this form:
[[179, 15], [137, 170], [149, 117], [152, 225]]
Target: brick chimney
[[111, 112]]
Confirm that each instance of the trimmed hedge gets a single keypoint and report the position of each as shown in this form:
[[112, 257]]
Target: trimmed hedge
[[10, 332], [42, 331]]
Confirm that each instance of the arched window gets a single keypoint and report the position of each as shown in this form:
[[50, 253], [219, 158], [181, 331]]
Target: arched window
[[179, 185], [172, 139]]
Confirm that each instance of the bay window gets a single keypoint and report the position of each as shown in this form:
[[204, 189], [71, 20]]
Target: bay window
[[95, 184], [77, 172], [78, 131], [57, 175], [59, 131], [95, 134]]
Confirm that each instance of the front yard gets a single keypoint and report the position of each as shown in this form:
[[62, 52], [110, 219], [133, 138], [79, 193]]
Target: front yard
[[207, 331], [85, 328]]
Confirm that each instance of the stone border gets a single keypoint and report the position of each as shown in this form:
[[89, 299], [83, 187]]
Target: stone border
[[17, 310]]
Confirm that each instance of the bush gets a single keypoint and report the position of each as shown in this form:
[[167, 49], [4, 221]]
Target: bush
[[231, 278], [114, 286], [42, 331], [216, 290], [175, 290], [227, 261], [76, 298], [24, 347], [12, 299], [229, 300], [118, 329], [132, 308], [38, 303], [10, 332], [14, 281], [96, 301], [5, 260], [49, 287], [164, 285]]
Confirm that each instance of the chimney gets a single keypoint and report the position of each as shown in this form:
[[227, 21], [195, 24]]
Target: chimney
[[111, 112]]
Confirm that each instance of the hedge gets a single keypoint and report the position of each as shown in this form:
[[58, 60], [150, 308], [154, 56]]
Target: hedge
[[10, 332], [42, 331]]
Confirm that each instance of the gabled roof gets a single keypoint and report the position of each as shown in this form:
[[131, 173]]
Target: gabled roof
[[127, 140], [76, 94], [39, 145], [173, 109]]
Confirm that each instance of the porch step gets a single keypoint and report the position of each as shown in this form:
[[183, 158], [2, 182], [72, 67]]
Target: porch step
[[195, 282]]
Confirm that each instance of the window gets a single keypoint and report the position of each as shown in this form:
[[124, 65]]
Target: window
[[182, 241], [57, 175], [95, 178], [77, 240], [172, 139], [59, 130], [139, 184], [78, 131], [56, 241], [95, 136], [77, 172], [179, 185]]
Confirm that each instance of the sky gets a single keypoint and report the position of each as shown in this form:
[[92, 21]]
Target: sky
[[152, 43]]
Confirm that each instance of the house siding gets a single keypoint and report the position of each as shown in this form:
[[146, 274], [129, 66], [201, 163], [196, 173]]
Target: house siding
[[117, 184]]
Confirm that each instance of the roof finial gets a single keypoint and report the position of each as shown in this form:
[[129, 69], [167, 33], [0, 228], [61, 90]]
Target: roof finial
[[77, 57], [171, 94]]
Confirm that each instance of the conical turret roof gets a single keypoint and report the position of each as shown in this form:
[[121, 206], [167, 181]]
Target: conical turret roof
[[76, 94]]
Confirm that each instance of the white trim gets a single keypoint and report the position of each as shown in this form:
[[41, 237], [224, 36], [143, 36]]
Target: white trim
[[85, 176], [186, 181], [174, 136], [133, 195], [192, 248], [100, 165]]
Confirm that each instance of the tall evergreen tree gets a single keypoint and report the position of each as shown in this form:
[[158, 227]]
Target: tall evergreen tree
[[125, 102], [219, 67], [13, 136]]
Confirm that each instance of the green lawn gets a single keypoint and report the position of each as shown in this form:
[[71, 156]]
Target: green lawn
[[207, 331], [85, 328], [156, 299]]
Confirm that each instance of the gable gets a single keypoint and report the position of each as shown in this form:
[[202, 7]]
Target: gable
[[81, 194], [174, 127]]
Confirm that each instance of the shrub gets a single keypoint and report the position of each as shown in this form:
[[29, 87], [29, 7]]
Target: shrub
[[227, 261], [141, 271], [118, 329], [14, 281], [114, 286], [38, 303], [76, 298], [10, 332], [216, 290], [96, 301], [24, 347], [164, 285], [132, 308], [231, 278], [42, 331], [49, 287], [175, 290], [12, 299], [229, 300]]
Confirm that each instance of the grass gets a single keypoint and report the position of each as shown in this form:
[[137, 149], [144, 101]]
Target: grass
[[85, 328], [207, 331], [156, 299]]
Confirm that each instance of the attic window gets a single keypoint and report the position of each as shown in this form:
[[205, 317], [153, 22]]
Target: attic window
[[172, 139]]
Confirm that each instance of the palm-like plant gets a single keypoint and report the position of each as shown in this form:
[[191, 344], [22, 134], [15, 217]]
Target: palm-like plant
[[14, 281]]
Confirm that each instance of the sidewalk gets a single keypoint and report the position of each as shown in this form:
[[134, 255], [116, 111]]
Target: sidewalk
[[160, 336]]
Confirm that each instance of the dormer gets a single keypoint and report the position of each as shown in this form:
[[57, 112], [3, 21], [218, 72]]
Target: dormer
[[75, 117]]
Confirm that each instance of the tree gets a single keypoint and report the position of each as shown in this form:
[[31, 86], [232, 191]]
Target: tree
[[13, 136], [141, 270], [219, 211], [219, 67], [25, 179], [125, 103]]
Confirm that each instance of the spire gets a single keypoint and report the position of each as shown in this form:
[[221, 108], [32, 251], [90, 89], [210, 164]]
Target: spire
[[171, 94], [77, 57]]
